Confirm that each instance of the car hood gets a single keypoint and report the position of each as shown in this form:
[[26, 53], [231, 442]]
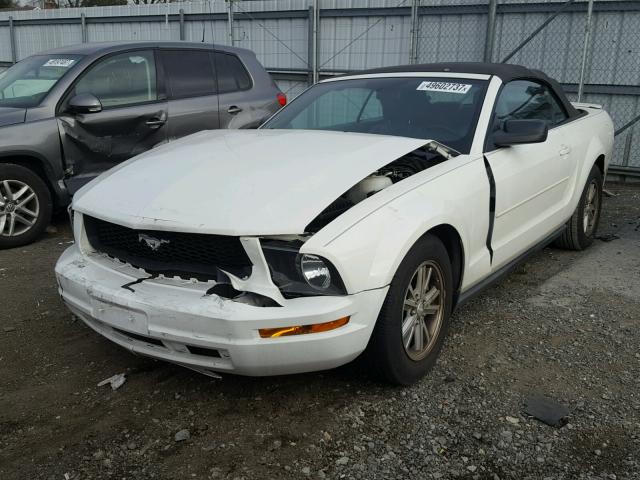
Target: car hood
[[238, 182], [11, 116]]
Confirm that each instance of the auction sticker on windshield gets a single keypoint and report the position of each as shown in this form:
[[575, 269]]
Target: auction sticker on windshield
[[444, 87], [59, 62]]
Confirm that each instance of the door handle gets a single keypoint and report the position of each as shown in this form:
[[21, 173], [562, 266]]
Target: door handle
[[233, 110], [565, 150], [154, 123]]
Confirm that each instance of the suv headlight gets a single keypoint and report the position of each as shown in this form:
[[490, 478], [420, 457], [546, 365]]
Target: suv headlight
[[299, 275]]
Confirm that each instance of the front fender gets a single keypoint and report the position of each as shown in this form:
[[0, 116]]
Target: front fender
[[39, 142], [368, 253]]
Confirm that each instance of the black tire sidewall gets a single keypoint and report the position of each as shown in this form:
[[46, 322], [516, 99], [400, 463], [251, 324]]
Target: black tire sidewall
[[9, 171], [389, 352]]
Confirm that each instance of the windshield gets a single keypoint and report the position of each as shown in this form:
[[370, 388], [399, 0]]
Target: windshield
[[27, 82], [442, 109]]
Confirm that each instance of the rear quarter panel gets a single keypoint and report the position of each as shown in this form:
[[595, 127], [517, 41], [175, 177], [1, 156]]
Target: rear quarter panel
[[590, 137]]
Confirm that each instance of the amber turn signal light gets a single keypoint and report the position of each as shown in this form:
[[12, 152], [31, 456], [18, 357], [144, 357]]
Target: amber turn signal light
[[303, 329]]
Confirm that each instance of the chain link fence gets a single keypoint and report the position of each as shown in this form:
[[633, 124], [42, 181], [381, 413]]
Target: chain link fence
[[550, 36], [302, 41], [609, 74]]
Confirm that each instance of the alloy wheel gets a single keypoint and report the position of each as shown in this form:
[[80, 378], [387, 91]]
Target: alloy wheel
[[591, 208], [19, 208], [423, 310]]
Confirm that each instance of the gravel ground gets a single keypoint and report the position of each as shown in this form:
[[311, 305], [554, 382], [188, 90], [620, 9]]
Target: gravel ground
[[564, 325]]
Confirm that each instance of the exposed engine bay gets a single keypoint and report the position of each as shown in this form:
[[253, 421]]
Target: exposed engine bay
[[404, 167]]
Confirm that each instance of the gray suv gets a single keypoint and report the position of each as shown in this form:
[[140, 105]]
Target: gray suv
[[68, 114]]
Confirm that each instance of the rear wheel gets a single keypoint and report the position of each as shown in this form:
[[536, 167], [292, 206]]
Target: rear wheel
[[415, 315], [25, 206], [583, 224]]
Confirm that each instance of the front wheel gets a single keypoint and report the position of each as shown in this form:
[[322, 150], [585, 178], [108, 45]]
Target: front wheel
[[583, 224], [25, 206], [414, 318]]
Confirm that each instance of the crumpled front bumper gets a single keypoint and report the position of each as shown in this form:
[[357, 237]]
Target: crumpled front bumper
[[175, 320]]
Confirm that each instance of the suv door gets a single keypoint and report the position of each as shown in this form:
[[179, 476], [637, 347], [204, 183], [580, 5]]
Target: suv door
[[531, 180], [191, 88], [131, 120], [239, 106]]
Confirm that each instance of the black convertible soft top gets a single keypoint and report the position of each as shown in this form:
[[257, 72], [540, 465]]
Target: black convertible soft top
[[506, 72]]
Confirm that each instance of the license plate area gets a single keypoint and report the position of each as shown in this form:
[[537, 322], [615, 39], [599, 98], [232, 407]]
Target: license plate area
[[120, 317]]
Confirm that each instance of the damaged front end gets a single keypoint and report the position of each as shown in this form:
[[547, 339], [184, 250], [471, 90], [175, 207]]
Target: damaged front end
[[261, 271], [211, 293]]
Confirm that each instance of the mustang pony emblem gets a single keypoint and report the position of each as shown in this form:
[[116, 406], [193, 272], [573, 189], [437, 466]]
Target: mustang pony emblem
[[151, 242]]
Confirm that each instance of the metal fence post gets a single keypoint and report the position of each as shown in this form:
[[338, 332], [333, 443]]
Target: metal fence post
[[12, 40], [415, 28], [627, 149], [585, 50], [316, 44], [310, 46], [491, 30], [83, 27], [230, 17], [182, 32]]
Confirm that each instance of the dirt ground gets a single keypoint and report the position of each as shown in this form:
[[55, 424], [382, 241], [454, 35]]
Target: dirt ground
[[565, 324]]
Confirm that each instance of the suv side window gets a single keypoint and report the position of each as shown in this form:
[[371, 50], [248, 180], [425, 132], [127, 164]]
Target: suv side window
[[121, 80], [232, 75], [189, 73], [526, 100]]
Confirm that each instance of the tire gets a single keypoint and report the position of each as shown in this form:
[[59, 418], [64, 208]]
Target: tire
[[25, 206], [400, 364], [583, 224]]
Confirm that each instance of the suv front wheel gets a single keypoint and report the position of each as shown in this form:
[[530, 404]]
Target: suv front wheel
[[25, 206]]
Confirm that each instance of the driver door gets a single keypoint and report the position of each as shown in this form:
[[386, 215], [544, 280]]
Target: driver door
[[132, 118], [531, 180]]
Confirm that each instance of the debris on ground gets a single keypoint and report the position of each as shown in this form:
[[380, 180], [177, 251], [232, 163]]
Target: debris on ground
[[116, 381], [512, 420], [607, 237], [182, 435], [546, 410]]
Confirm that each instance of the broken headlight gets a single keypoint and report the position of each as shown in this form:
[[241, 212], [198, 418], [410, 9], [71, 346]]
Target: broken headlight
[[300, 275]]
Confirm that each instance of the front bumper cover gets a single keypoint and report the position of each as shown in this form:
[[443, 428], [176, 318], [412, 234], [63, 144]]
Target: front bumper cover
[[175, 320]]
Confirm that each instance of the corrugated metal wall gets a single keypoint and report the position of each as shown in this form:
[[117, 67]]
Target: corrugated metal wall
[[358, 34]]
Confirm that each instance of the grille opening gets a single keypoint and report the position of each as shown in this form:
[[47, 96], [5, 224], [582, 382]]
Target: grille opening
[[190, 255], [205, 352], [224, 290], [139, 337]]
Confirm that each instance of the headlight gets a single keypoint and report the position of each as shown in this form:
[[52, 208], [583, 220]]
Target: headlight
[[298, 275], [315, 271]]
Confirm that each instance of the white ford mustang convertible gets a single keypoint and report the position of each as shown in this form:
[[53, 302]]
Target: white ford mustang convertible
[[357, 218]]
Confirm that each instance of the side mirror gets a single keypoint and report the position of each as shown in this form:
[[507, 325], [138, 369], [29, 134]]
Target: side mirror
[[515, 132], [84, 103]]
